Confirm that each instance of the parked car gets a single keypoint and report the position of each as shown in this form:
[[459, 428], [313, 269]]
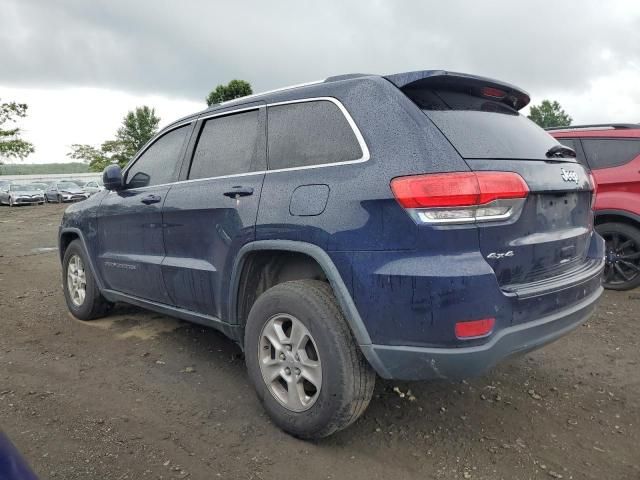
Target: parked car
[[612, 152], [39, 186], [16, 194], [92, 187], [64, 192], [414, 226]]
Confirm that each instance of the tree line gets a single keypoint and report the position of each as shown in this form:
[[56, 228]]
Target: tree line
[[141, 124]]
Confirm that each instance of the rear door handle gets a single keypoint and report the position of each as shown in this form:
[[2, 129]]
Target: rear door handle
[[237, 192], [149, 199]]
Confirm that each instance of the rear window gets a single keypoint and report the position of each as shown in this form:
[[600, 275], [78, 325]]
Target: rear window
[[309, 133], [607, 153], [480, 128]]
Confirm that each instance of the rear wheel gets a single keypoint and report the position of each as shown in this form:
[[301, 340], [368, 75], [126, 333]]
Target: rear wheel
[[81, 292], [302, 359], [622, 269]]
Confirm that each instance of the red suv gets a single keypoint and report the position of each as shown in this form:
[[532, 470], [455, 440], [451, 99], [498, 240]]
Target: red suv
[[612, 152]]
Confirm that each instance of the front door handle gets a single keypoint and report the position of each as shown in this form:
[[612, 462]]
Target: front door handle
[[237, 192], [149, 199]]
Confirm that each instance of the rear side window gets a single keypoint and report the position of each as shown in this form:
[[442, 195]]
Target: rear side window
[[607, 153], [159, 163], [227, 146], [481, 128], [575, 145], [309, 133]]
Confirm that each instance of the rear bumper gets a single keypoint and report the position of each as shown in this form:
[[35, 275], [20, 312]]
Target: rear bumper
[[420, 363]]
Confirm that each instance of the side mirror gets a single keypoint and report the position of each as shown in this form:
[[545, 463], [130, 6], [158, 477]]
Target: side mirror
[[112, 177]]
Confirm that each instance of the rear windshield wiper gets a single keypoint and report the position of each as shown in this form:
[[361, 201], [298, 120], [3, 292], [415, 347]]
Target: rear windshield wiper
[[561, 151]]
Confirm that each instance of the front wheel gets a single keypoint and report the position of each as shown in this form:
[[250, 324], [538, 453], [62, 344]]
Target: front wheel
[[81, 292], [303, 361], [622, 268]]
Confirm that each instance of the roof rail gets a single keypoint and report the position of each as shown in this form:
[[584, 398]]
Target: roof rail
[[596, 125]]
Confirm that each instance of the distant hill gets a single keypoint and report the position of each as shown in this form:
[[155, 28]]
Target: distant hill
[[43, 168]]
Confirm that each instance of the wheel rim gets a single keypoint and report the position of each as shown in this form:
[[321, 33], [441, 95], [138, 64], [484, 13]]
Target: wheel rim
[[76, 280], [290, 363], [622, 260]]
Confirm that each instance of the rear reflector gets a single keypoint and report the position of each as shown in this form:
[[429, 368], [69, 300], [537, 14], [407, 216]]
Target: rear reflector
[[594, 188], [475, 328], [460, 196]]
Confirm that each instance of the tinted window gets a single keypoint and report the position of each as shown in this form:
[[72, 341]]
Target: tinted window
[[159, 163], [575, 145], [227, 146], [310, 133], [608, 153], [481, 128]]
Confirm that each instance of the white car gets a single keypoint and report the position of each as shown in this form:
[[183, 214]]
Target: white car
[[92, 187]]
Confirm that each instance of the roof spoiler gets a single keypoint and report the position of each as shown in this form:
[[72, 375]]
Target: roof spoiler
[[477, 86]]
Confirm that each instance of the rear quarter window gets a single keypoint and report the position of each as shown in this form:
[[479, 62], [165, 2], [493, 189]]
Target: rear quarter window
[[309, 133], [607, 153], [574, 144]]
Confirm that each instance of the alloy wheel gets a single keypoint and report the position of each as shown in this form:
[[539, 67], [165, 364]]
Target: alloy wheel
[[76, 280], [622, 259], [290, 363]]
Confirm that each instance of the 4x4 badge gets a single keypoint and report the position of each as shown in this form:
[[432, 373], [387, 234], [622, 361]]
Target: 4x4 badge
[[569, 175]]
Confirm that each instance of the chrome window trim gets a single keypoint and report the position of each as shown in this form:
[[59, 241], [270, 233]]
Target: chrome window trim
[[354, 127]]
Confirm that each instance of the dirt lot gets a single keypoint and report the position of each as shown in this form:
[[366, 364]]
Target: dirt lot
[[140, 395]]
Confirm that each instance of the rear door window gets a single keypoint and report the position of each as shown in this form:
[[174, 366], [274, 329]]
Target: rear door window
[[310, 133], [481, 128], [227, 146], [607, 153]]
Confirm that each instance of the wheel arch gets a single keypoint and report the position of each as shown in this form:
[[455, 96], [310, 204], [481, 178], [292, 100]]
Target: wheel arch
[[68, 235], [616, 216], [326, 268]]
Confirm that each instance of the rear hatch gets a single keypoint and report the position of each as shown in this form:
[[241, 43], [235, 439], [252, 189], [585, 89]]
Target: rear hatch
[[546, 236]]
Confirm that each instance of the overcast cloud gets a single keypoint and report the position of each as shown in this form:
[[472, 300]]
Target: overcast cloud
[[63, 57]]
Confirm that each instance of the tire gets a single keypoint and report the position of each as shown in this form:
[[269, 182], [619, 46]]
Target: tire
[[622, 270], [92, 305], [347, 380]]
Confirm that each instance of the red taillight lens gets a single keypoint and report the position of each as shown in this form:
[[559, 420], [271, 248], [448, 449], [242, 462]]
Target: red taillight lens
[[475, 328], [457, 189]]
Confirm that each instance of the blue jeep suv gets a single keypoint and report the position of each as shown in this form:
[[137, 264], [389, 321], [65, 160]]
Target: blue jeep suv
[[413, 226]]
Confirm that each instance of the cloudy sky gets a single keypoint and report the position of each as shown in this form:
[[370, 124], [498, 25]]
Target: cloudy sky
[[80, 65]]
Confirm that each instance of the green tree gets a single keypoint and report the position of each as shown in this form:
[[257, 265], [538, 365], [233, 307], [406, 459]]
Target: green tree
[[11, 145], [549, 114], [138, 126], [234, 89], [96, 158]]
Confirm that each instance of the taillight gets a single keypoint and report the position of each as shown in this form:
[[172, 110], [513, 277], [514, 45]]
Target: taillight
[[594, 188], [461, 197], [474, 328]]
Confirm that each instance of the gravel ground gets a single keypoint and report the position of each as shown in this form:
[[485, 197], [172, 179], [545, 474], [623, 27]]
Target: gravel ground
[[139, 395]]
